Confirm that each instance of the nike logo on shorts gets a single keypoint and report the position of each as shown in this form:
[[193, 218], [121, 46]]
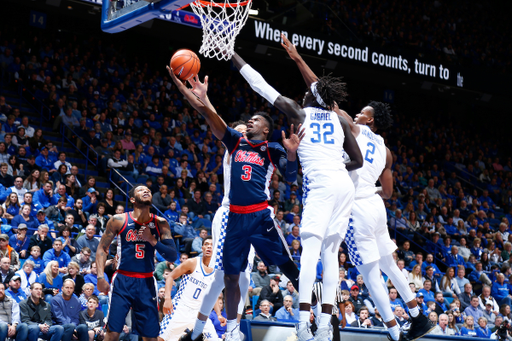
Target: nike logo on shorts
[[270, 229]]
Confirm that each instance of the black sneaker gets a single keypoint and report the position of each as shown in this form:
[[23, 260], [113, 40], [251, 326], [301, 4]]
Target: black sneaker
[[419, 327], [188, 336], [400, 338]]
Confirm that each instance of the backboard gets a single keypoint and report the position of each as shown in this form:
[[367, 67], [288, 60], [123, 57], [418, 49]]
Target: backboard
[[120, 15]]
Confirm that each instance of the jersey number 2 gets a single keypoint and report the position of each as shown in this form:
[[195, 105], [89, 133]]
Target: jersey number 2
[[139, 251], [247, 173], [325, 132], [369, 151]]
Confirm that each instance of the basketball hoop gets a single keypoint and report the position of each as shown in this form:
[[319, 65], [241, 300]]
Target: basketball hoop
[[221, 24]]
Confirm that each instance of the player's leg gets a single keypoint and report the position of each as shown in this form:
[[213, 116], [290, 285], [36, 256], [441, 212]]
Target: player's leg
[[420, 324], [210, 334], [145, 308]]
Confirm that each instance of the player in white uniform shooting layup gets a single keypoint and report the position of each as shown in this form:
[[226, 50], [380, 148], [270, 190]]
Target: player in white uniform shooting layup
[[328, 191], [368, 240], [219, 225], [180, 311]]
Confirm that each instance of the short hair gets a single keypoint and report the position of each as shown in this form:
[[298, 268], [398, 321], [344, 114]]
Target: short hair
[[74, 265], [68, 280], [87, 285], [94, 298], [237, 123], [63, 199], [34, 284], [474, 296], [263, 301], [30, 263], [87, 249], [207, 238], [270, 122], [364, 308], [35, 247], [131, 193]]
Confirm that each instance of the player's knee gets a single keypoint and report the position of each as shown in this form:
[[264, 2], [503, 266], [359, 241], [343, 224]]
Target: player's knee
[[231, 280]]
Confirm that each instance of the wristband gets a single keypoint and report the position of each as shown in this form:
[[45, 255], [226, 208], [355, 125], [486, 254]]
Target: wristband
[[101, 277]]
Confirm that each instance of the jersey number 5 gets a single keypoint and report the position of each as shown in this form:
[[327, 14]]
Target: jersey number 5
[[323, 133], [369, 151], [247, 173], [139, 251]]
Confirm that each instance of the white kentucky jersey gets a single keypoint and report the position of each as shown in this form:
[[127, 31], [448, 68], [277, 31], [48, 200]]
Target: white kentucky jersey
[[192, 287], [374, 160], [227, 178], [322, 146]]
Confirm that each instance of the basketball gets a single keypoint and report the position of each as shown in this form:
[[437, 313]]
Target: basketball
[[185, 64]]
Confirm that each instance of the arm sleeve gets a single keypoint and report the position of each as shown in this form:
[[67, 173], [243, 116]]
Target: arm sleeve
[[167, 249], [286, 167], [259, 84], [58, 313], [24, 316], [231, 139], [15, 312]]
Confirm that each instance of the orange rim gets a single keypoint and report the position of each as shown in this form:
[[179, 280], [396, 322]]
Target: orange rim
[[214, 4]]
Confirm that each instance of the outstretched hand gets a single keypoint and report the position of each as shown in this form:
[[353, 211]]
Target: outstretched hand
[[199, 88], [191, 96], [290, 48], [292, 143]]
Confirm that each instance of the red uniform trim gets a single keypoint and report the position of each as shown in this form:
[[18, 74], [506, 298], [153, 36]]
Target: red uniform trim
[[255, 145], [156, 225], [124, 225], [248, 209], [135, 220], [135, 274], [240, 139]]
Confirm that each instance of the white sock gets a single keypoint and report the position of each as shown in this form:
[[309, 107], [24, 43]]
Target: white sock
[[231, 325], [198, 328], [324, 320], [394, 332], [414, 311], [304, 316]]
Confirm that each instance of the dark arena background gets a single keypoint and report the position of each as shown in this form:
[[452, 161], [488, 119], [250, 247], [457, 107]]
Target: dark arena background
[[102, 107]]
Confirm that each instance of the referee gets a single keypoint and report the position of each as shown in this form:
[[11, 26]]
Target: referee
[[339, 305]]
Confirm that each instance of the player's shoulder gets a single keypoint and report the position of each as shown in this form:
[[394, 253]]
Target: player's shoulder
[[161, 220], [274, 146], [117, 218], [232, 132]]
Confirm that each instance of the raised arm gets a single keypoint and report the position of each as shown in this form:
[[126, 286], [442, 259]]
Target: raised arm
[[386, 178], [308, 74], [292, 110], [114, 225], [354, 128], [186, 267], [351, 147], [198, 98]]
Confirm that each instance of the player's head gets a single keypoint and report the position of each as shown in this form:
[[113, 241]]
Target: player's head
[[325, 92], [240, 126], [140, 195], [207, 246], [376, 115], [260, 125]]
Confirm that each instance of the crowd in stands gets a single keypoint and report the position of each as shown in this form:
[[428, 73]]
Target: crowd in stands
[[466, 33], [450, 212]]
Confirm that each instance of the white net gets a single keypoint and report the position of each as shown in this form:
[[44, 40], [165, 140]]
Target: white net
[[221, 23]]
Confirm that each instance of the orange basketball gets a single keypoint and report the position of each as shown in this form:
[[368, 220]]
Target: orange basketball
[[185, 64]]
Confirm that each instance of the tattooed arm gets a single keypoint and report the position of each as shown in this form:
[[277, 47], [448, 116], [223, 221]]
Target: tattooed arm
[[113, 226], [165, 247]]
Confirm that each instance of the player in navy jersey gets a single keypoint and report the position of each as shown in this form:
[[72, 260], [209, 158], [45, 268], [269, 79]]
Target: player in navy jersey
[[328, 190], [139, 234], [251, 220]]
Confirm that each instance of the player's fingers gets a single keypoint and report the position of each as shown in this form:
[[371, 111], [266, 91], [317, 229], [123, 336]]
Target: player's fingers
[[283, 134], [298, 128], [292, 131]]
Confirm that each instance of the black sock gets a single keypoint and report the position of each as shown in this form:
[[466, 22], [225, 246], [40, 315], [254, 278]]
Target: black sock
[[290, 270]]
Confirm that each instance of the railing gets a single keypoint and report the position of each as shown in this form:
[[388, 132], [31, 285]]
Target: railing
[[41, 108], [64, 130]]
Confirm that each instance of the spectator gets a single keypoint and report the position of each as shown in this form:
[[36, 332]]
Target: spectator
[[454, 259], [18, 189], [468, 329], [5, 179], [35, 257], [264, 314], [350, 315], [400, 316], [290, 291], [27, 276], [57, 254], [14, 290], [449, 285], [416, 278], [489, 315], [465, 296], [186, 230], [394, 301], [198, 241], [51, 280], [6, 251], [406, 254], [11, 206], [43, 196], [272, 294], [294, 235], [90, 201], [36, 313], [10, 323], [461, 279], [196, 206], [69, 244], [66, 313], [25, 219], [61, 192], [87, 292], [83, 259], [62, 161], [40, 238], [93, 278], [442, 328], [162, 200], [93, 319], [474, 309], [364, 320], [441, 306], [287, 312], [260, 278], [219, 306], [45, 161], [356, 300], [42, 220], [88, 240], [57, 213]]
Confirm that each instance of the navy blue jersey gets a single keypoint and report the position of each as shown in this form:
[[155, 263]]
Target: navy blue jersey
[[135, 254], [252, 165]]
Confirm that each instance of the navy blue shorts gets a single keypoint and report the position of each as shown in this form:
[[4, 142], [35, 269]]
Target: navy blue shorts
[[139, 294], [258, 229]]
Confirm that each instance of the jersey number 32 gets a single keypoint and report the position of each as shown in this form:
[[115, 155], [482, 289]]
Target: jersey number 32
[[323, 133]]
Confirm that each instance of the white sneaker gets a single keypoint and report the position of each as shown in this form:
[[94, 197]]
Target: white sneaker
[[304, 333], [234, 335], [324, 334]]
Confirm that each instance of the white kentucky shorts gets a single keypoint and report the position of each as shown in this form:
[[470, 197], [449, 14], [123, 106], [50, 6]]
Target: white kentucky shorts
[[219, 225], [173, 325], [327, 198], [367, 237]]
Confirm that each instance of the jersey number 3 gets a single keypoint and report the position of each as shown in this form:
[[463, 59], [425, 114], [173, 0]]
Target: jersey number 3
[[247, 173], [369, 151], [139, 251], [324, 133]]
